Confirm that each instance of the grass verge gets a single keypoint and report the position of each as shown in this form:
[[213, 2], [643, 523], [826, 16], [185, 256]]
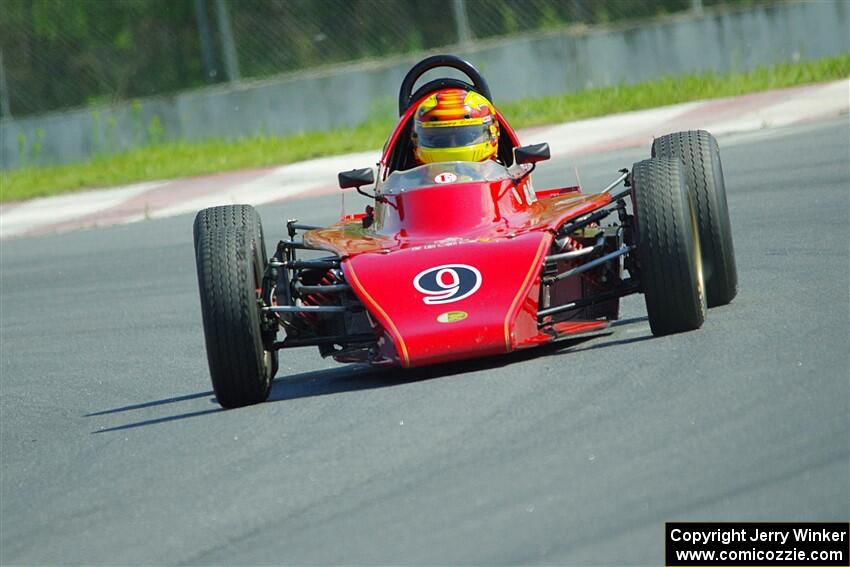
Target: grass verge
[[179, 159]]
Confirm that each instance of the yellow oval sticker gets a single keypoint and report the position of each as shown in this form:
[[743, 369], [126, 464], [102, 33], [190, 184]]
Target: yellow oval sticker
[[452, 316]]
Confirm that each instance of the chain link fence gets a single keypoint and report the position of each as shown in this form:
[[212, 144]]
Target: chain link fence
[[56, 54]]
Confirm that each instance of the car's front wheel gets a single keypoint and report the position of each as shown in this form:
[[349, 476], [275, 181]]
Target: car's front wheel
[[233, 216], [668, 247], [241, 365]]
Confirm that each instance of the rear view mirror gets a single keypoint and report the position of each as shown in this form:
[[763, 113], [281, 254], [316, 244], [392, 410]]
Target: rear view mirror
[[356, 178], [532, 153]]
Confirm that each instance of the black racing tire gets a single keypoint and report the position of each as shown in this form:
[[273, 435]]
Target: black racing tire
[[700, 153], [242, 217], [240, 367], [668, 247], [233, 216]]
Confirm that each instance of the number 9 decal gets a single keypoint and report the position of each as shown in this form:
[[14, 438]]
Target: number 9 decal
[[447, 283]]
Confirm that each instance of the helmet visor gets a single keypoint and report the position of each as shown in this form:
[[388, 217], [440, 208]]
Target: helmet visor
[[452, 136]]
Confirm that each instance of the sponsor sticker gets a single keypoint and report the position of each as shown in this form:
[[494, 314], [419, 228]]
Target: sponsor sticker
[[452, 316]]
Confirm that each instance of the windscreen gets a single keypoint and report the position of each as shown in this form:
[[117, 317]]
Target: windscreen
[[446, 173]]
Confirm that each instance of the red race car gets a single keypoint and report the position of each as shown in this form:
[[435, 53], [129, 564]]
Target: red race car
[[460, 259]]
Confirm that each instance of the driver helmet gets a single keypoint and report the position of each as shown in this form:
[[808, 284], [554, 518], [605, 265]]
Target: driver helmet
[[455, 125]]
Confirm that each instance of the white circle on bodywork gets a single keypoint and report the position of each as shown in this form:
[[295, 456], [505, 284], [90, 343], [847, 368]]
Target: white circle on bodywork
[[447, 177]]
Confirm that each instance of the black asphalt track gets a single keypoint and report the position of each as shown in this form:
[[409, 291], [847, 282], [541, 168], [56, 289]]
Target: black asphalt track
[[114, 451]]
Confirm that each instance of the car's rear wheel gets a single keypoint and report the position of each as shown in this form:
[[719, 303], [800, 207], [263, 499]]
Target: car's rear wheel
[[668, 247], [700, 154]]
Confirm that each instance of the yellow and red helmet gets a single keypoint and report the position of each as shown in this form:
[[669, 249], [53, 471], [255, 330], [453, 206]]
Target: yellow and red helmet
[[455, 125]]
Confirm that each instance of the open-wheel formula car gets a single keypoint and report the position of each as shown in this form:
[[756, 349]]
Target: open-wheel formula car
[[458, 260]]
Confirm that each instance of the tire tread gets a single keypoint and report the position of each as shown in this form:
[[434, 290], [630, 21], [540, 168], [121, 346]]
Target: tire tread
[[225, 265], [665, 252]]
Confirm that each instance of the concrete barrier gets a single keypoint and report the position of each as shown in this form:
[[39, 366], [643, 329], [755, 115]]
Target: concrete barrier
[[722, 40]]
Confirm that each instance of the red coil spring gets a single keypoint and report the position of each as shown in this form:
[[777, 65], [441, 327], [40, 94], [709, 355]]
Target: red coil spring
[[318, 298]]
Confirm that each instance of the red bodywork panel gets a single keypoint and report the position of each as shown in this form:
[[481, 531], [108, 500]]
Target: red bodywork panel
[[502, 310], [497, 228]]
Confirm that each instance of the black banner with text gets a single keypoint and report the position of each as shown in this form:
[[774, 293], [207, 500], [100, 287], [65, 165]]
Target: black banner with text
[[692, 544]]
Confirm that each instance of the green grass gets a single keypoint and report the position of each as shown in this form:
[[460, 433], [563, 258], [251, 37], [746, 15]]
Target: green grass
[[178, 159], [671, 90]]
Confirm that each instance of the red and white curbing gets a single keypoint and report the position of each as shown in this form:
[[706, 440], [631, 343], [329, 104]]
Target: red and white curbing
[[316, 177]]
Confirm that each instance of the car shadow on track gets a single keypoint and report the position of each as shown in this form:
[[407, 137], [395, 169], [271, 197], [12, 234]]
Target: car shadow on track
[[361, 377], [353, 378], [157, 420], [347, 378], [151, 404], [356, 377]]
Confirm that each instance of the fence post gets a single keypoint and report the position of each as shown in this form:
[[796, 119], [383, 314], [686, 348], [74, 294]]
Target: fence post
[[5, 109], [207, 53], [464, 34], [228, 48]]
